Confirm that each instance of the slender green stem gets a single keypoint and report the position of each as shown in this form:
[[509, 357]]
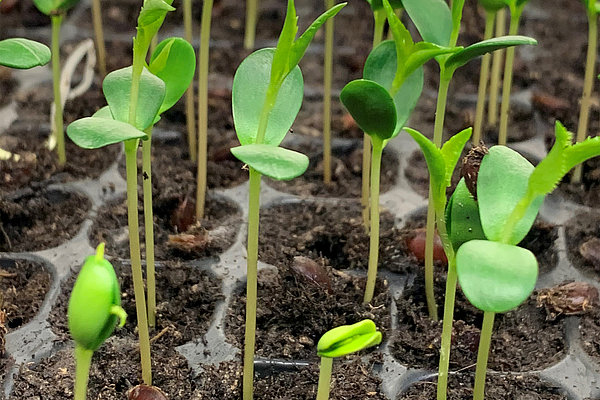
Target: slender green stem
[[447, 330], [251, 17], [496, 64], [57, 129], [149, 226], [588, 87], [398, 12], [99, 34], [374, 233], [482, 354], [83, 361], [515, 18], [203, 107], [324, 378], [490, 17], [190, 117], [327, 76]]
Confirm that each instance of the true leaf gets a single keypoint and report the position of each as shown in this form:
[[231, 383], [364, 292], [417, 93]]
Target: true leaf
[[281, 65], [501, 183], [149, 21], [348, 339], [371, 106], [434, 158], [548, 173], [582, 151], [250, 85], [462, 57], [23, 53], [117, 90], [462, 217], [494, 276], [273, 161], [93, 133], [174, 62], [432, 18], [451, 151]]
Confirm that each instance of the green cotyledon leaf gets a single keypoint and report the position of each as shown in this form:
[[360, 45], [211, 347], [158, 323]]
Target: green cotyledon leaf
[[23, 53], [100, 131], [272, 161], [348, 339], [432, 18], [462, 217]]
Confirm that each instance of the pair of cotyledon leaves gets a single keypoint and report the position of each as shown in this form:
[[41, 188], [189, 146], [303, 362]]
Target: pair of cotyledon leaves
[[49, 7], [348, 339], [169, 73], [275, 70], [23, 53]]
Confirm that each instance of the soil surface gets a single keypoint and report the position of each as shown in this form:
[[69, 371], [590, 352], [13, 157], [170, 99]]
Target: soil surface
[[40, 219], [517, 387], [293, 312], [582, 234], [186, 297], [346, 176], [588, 191], [351, 379], [590, 334], [522, 340], [332, 231]]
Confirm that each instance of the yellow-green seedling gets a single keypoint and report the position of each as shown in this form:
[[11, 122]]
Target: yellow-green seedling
[[56, 10], [494, 273], [93, 313], [592, 9], [267, 93], [341, 341], [136, 97]]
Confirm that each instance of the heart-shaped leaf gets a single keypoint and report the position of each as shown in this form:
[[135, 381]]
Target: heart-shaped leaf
[[432, 18], [250, 86], [462, 57], [23, 53], [501, 183], [272, 161], [348, 339], [494, 276], [117, 90], [462, 217], [93, 133], [371, 106], [174, 62]]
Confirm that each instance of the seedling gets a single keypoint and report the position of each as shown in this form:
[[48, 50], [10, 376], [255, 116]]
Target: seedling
[[494, 273], [327, 77], [341, 341], [496, 71], [266, 97], [439, 24], [99, 35], [56, 10], [190, 115], [94, 309], [592, 8], [251, 17]]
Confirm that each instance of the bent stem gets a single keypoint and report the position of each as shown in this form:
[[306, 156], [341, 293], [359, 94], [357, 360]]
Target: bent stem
[[482, 354], [324, 378], [515, 18], [588, 86], [496, 64], [83, 361], [203, 107], [99, 34], [58, 130], [190, 117], [149, 226], [327, 74], [483, 79], [251, 17], [374, 234]]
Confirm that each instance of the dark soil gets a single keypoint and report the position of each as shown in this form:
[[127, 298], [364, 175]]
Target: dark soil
[[417, 174], [351, 379], [7, 85], [310, 120], [293, 314], [40, 219], [186, 297], [23, 288], [332, 231], [588, 191], [589, 327], [522, 340], [497, 387], [346, 177], [582, 234], [115, 369], [19, 14]]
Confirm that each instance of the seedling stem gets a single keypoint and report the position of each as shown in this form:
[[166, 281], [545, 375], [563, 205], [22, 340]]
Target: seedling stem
[[490, 17], [496, 63], [203, 107], [99, 33], [190, 115], [483, 353], [324, 378], [83, 361], [251, 16], [327, 74], [149, 226], [58, 131]]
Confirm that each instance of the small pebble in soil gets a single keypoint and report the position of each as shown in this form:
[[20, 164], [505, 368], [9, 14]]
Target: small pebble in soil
[[144, 392], [571, 298]]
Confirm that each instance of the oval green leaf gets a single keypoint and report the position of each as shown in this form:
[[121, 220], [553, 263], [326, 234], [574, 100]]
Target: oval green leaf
[[492, 5], [93, 133], [371, 106], [272, 161], [174, 62], [117, 90], [462, 217], [248, 97], [23, 53], [462, 57], [494, 276], [432, 18], [501, 183], [348, 339]]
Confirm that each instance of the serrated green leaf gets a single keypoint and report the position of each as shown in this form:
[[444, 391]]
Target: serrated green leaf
[[494, 276], [432, 18], [581, 152], [272, 161], [403, 40], [174, 62], [23, 53], [549, 172], [250, 85], [462, 217], [487, 46], [451, 151], [371, 106], [348, 339], [93, 133], [434, 158], [117, 90]]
